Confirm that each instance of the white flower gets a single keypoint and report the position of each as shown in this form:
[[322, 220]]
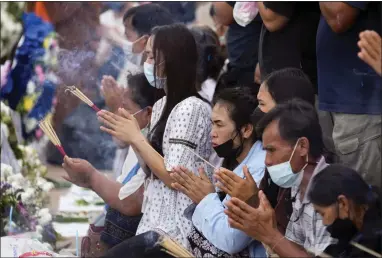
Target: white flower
[[30, 124], [39, 229], [4, 132], [6, 171], [27, 195], [47, 186], [44, 219], [5, 109], [43, 211], [31, 87]]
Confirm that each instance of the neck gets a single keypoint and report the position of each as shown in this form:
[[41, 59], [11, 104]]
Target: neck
[[308, 172], [247, 145]]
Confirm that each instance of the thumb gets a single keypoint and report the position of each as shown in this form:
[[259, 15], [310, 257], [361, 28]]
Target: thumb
[[202, 173], [67, 178], [248, 175], [264, 203]]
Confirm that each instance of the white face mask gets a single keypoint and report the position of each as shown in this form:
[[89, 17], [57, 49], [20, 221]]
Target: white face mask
[[282, 174], [154, 81], [130, 55]]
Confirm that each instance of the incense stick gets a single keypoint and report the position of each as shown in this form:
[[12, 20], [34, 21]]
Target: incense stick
[[170, 253], [174, 247], [10, 221], [365, 249], [76, 92], [47, 128], [197, 155]]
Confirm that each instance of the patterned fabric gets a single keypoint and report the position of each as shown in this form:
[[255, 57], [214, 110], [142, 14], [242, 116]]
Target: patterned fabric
[[305, 227], [188, 125], [119, 227], [201, 247]]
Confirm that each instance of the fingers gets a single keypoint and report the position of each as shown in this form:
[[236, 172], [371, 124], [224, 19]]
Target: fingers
[[235, 224], [225, 180], [180, 188], [373, 39], [248, 175], [233, 217], [230, 174], [223, 188], [203, 174], [264, 203], [179, 179], [366, 45], [109, 131], [106, 122], [125, 114], [109, 116], [242, 205], [235, 209], [67, 178]]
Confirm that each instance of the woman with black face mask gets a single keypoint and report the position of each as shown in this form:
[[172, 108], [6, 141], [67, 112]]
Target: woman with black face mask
[[351, 210], [234, 139]]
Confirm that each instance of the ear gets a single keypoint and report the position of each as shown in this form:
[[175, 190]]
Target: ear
[[140, 44], [149, 111], [303, 147], [247, 131], [343, 206]]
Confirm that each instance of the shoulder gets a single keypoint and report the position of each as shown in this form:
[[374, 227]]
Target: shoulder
[[158, 106], [192, 105]]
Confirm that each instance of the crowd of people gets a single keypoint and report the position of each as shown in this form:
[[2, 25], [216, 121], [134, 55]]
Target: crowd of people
[[241, 141]]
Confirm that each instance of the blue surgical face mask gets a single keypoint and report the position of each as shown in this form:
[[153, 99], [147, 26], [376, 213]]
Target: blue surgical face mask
[[154, 81], [283, 175]]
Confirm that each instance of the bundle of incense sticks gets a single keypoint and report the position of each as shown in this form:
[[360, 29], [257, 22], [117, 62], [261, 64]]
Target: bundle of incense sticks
[[47, 128], [75, 91], [173, 248]]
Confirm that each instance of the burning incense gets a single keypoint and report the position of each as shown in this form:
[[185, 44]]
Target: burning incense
[[174, 248], [47, 128], [75, 91]]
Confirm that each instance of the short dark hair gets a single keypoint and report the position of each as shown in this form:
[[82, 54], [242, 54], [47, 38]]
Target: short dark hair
[[211, 58], [341, 180], [241, 104], [288, 83], [142, 93], [296, 118], [147, 16]]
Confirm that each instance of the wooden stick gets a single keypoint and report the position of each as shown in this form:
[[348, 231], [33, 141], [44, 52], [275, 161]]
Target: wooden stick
[[366, 249], [197, 155], [170, 253]]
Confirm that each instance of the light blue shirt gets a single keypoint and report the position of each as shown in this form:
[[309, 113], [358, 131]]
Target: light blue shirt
[[209, 217]]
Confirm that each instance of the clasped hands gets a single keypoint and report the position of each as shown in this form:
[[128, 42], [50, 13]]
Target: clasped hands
[[259, 223], [122, 125]]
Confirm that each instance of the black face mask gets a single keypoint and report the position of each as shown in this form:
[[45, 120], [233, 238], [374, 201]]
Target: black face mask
[[342, 229], [226, 149]]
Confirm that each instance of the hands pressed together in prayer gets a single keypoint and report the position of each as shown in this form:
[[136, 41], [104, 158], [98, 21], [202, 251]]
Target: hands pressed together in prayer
[[112, 92], [258, 223], [195, 187], [244, 189], [122, 125]]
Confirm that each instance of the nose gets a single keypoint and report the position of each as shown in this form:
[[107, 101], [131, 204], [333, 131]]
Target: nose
[[213, 133], [268, 160]]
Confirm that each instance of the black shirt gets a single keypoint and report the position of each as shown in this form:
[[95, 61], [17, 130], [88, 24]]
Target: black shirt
[[295, 44], [242, 44]]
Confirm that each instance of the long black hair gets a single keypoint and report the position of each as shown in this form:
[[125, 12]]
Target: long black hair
[[337, 180], [177, 46]]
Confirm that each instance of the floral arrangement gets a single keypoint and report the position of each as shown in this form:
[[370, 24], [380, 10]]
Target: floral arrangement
[[24, 195], [11, 27]]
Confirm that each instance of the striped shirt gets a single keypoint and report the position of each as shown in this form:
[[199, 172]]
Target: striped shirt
[[305, 227]]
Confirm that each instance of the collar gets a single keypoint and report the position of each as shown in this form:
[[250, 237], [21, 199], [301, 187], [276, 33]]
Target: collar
[[253, 157], [319, 167]]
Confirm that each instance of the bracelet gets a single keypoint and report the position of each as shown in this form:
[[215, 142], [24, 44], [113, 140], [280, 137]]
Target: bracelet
[[278, 242]]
